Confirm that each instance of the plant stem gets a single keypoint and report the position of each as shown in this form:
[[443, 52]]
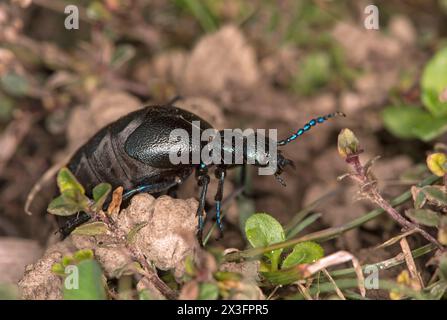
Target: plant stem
[[368, 188], [327, 287]]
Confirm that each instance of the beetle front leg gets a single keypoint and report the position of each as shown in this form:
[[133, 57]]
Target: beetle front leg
[[220, 174], [203, 181]]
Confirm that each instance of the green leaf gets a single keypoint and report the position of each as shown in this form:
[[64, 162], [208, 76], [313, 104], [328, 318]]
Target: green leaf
[[227, 275], [83, 254], [425, 217], [145, 295], [14, 84], [442, 231], [202, 12], [433, 82], [85, 282], [72, 198], [284, 276], [122, 54], [91, 229], [413, 122], [303, 252], [67, 181], [100, 193], [6, 107], [430, 129], [435, 194], [208, 291], [438, 290], [64, 206], [67, 260], [313, 72], [58, 269], [419, 197], [97, 11], [132, 233], [262, 230], [190, 266]]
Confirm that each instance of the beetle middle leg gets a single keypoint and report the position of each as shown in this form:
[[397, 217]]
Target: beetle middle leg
[[203, 180]]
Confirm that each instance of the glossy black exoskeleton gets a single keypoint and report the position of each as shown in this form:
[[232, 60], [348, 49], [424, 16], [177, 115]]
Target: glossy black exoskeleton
[[133, 152]]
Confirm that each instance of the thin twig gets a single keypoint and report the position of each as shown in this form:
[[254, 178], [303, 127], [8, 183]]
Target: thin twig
[[270, 296], [12, 136], [369, 190]]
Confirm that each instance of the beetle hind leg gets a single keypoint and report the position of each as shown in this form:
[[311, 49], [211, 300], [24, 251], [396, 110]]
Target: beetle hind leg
[[220, 174], [151, 188]]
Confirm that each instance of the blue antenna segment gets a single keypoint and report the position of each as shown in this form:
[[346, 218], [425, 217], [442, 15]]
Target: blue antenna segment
[[308, 126]]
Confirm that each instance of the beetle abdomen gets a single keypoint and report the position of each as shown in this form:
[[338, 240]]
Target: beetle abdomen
[[134, 150]]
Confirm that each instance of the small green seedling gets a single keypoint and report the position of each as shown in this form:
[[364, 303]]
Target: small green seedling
[[263, 230]]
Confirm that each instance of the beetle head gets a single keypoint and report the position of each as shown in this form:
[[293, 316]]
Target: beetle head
[[267, 155]]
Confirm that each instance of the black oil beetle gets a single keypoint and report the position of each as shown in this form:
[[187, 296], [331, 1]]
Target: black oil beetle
[[133, 152]]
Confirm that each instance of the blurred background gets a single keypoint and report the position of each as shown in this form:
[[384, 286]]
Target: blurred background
[[237, 64]]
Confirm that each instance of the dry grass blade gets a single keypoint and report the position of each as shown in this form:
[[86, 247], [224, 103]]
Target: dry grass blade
[[40, 184], [270, 296], [304, 291], [411, 264], [337, 289], [335, 259], [395, 239]]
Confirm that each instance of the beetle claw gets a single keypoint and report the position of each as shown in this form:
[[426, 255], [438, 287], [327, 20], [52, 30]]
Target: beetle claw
[[280, 180]]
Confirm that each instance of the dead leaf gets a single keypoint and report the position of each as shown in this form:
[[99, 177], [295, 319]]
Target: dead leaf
[[115, 204]]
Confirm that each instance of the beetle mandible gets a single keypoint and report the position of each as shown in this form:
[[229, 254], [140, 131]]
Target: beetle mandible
[[133, 152]]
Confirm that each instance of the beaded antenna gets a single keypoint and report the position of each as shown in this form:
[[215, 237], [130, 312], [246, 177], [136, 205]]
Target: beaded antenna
[[308, 126]]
